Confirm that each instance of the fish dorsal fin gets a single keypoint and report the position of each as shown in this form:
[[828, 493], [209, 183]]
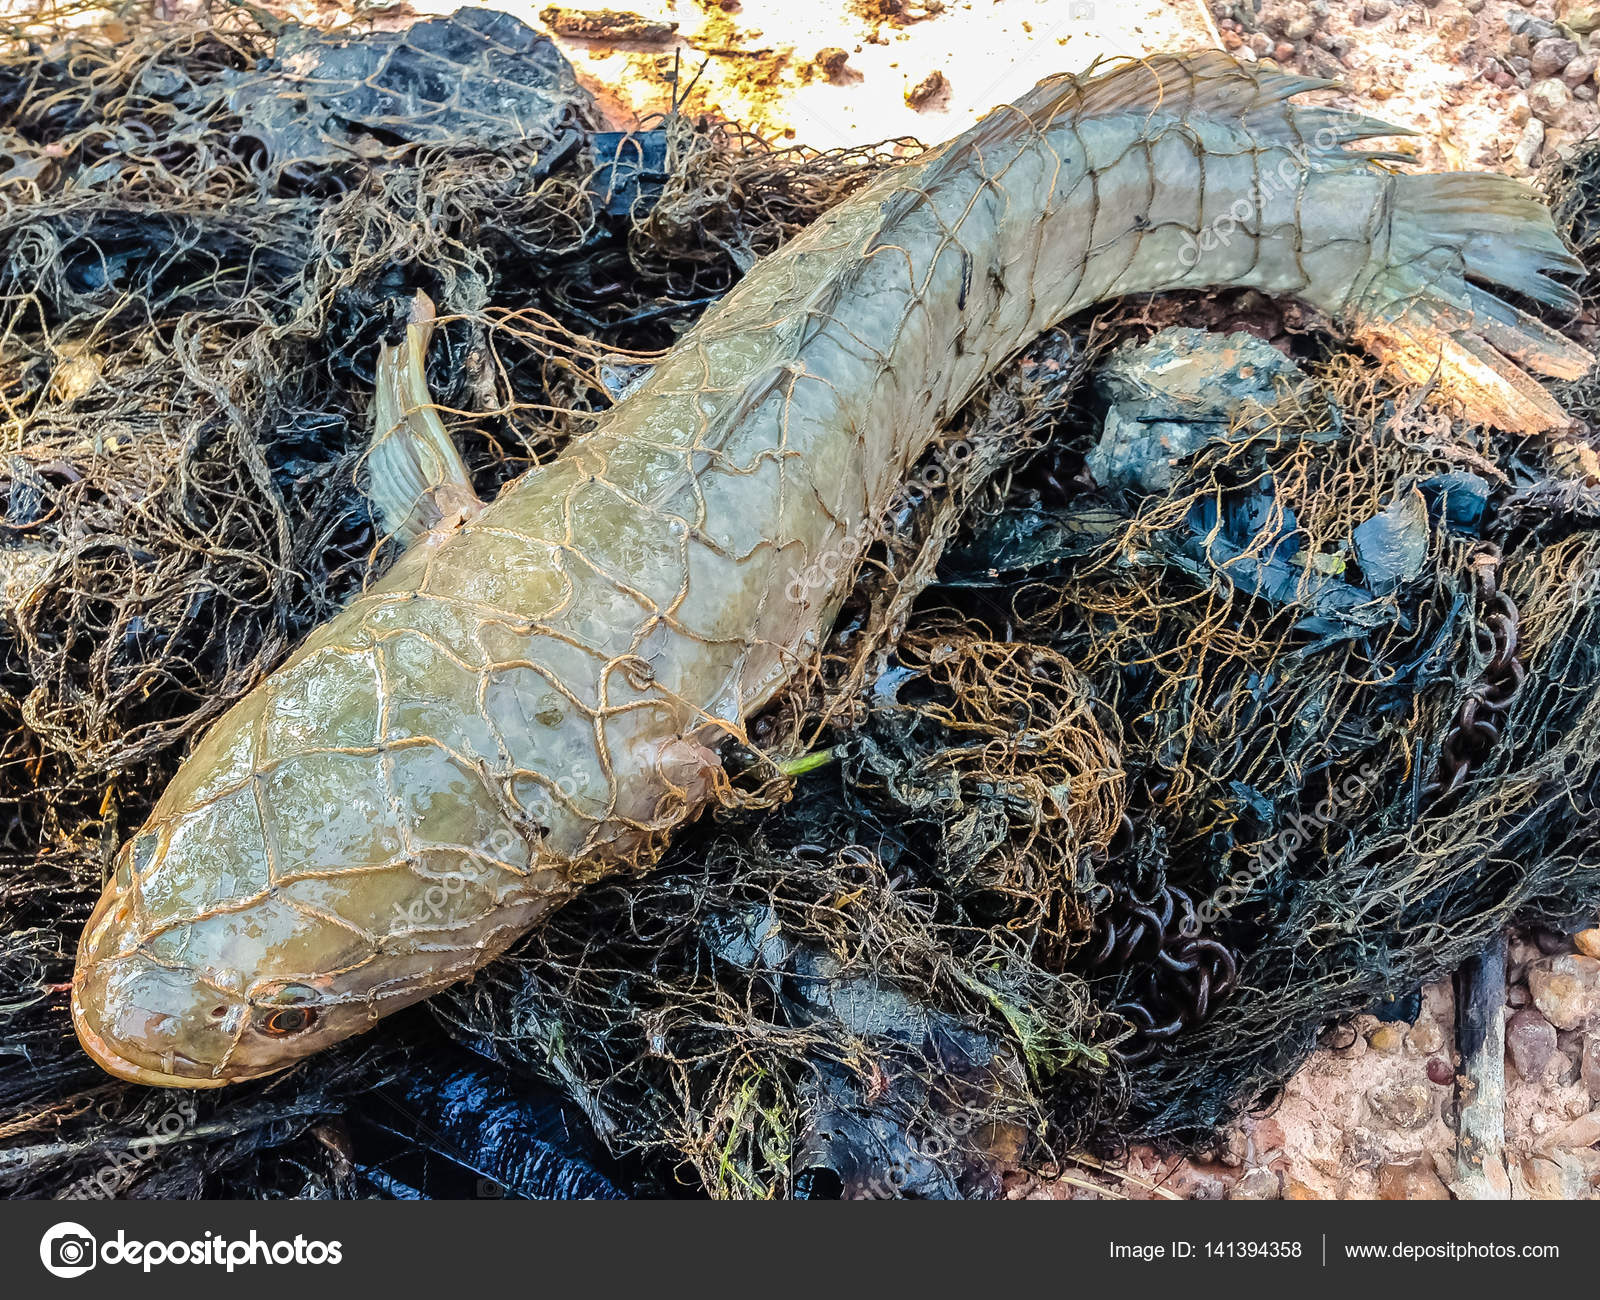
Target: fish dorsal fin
[[1209, 83], [415, 475]]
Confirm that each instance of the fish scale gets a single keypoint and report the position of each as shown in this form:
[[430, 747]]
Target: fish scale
[[533, 696]]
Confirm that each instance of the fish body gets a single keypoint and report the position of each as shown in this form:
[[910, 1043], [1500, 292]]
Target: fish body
[[534, 695]]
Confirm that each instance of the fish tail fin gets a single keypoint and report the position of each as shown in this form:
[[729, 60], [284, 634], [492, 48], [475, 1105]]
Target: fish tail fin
[[1423, 308], [1421, 304]]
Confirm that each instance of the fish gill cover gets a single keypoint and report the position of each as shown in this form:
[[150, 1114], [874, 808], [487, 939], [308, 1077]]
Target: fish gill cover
[[1157, 735]]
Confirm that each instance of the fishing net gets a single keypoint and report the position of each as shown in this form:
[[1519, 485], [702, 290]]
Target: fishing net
[[1120, 780]]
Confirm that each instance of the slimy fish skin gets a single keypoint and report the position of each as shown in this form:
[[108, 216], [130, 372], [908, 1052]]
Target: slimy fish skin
[[535, 694]]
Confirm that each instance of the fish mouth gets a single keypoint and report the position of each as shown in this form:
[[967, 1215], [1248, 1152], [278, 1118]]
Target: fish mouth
[[115, 1063]]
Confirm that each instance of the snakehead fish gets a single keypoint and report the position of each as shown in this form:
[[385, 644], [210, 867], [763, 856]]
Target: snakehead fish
[[535, 694]]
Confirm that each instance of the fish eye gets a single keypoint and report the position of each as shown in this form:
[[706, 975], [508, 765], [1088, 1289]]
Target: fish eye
[[288, 1020], [286, 1011], [143, 851], [136, 857]]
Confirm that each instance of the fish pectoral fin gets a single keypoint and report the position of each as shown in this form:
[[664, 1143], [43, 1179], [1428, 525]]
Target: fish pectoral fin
[[414, 475]]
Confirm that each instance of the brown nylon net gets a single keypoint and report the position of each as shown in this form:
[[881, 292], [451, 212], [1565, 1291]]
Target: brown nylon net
[[1102, 809]]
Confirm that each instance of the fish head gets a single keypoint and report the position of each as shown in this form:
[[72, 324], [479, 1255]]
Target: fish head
[[222, 993], [279, 900]]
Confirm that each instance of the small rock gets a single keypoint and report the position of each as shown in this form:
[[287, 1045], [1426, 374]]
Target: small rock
[[1542, 1180], [1319, 63], [1295, 1190], [1373, 10], [1385, 1038], [1406, 1105], [1565, 1067], [1582, 1132], [1531, 1042], [1549, 99], [1588, 941], [831, 61], [1233, 1148], [1269, 1137], [1364, 1149], [1527, 149], [1425, 1037], [1261, 43], [1535, 29], [931, 87], [1589, 1066], [1258, 1184], [1300, 27], [1576, 73], [1582, 21], [1551, 56], [1566, 988], [1413, 1182], [1440, 1071], [1474, 6], [1195, 1184], [1283, 51]]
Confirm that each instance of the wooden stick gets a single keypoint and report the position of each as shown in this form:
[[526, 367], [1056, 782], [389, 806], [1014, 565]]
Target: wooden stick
[[1481, 1083]]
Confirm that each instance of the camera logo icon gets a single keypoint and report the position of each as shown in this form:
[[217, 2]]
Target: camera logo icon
[[67, 1250]]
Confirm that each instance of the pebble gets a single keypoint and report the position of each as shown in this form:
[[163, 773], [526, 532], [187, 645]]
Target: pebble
[[1535, 29], [1518, 112], [1576, 73], [1406, 1105], [1413, 1182], [1373, 10], [1531, 1042], [1544, 1180], [1283, 52], [1425, 1037], [1269, 1137], [1258, 1184], [1295, 1190], [1526, 150], [1582, 21], [832, 61], [1440, 1071], [1566, 988], [1588, 941], [1233, 1148], [1582, 1132], [1552, 55], [1589, 1066], [930, 88], [1549, 99], [1385, 1038]]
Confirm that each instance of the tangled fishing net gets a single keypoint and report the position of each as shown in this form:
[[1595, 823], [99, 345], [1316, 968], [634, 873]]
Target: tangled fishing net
[[1100, 806]]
